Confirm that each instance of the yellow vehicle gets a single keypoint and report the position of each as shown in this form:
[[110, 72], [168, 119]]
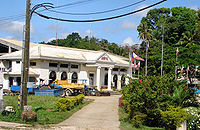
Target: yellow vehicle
[[70, 86]]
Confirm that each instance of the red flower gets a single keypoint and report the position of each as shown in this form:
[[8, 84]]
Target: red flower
[[140, 81]]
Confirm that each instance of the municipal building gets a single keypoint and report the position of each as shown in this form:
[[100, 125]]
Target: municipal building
[[99, 69]]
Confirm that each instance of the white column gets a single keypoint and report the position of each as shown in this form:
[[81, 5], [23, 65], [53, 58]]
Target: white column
[[9, 49], [109, 78], [119, 82], [98, 77]]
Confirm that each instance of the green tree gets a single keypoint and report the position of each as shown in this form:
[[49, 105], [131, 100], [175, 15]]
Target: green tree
[[180, 30]]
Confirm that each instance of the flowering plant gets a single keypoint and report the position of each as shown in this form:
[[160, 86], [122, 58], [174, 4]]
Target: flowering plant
[[193, 123]]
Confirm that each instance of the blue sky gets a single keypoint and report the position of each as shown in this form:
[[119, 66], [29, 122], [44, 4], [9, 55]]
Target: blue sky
[[120, 31]]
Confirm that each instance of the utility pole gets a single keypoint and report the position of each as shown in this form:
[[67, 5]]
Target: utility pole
[[23, 94]]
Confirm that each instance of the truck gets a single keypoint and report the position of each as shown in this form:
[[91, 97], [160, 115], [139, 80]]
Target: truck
[[69, 87]]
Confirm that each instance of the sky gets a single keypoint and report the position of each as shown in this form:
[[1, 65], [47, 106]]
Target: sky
[[120, 31]]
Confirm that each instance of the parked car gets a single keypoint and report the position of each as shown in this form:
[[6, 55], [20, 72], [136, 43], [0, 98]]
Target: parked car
[[95, 92]]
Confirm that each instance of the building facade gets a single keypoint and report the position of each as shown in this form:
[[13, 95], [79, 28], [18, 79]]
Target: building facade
[[48, 63]]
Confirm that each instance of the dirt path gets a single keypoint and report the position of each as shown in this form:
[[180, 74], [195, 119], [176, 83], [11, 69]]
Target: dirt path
[[102, 114]]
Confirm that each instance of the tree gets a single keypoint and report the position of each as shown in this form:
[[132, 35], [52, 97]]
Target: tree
[[180, 30]]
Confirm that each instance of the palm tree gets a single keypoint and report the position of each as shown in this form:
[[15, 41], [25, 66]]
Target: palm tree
[[144, 35]]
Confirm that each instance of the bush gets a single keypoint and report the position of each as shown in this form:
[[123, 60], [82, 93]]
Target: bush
[[193, 122], [138, 119], [64, 104], [153, 94], [173, 117]]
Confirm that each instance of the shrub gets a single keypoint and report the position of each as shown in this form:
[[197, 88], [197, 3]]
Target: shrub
[[64, 104], [138, 119], [193, 122], [173, 117], [153, 94]]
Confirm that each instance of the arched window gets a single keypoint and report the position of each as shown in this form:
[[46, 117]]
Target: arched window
[[122, 80], [64, 76], [74, 77], [115, 81], [52, 76], [106, 79]]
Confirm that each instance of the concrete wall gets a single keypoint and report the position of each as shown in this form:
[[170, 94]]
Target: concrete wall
[[16, 67], [43, 70]]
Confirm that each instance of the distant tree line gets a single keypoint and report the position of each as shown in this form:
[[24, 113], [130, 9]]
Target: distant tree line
[[74, 40]]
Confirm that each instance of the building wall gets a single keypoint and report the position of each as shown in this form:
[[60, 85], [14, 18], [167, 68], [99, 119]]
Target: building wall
[[42, 68], [16, 66]]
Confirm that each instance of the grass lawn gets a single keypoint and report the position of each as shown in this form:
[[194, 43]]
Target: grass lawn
[[45, 108], [126, 125]]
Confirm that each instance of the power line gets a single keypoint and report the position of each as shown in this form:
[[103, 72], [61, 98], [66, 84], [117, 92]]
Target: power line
[[100, 12], [21, 16], [102, 19], [74, 3]]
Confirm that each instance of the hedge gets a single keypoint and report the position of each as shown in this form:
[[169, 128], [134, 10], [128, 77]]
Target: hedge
[[66, 104]]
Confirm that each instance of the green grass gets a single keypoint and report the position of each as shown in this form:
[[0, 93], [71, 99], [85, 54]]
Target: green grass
[[45, 108], [126, 125]]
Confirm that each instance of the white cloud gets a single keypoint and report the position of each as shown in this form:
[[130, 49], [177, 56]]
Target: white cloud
[[142, 13], [63, 35], [126, 24], [8, 37], [128, 41], [51, 39], [14, 28], [89, 33], [194, 7], [54, 27]]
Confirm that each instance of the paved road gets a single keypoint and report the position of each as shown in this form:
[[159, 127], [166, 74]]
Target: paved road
[[102, 114]]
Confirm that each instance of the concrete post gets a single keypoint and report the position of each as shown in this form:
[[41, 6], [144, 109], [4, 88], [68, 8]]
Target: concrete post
[[109, 78], [2, 102], [98, 77]]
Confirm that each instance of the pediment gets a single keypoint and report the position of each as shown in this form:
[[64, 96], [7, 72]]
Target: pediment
[[104, 58]]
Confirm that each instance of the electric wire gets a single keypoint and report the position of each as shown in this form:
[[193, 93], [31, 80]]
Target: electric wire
[[21, 16], [102, 19], [100, 12]]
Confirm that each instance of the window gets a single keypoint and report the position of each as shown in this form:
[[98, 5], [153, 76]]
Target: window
[[74, 66], [123, 70], [74, 77], [53, 64], [18, 62], [91, 78], [32, 79], [52, 76], [106, 69], [64, 65], [32, 63], [115, 69], [64, 76]]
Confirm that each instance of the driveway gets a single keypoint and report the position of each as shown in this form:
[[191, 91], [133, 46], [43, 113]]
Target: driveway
[[101, 114]]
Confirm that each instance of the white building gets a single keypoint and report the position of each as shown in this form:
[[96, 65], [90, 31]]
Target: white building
[[48, 63]]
